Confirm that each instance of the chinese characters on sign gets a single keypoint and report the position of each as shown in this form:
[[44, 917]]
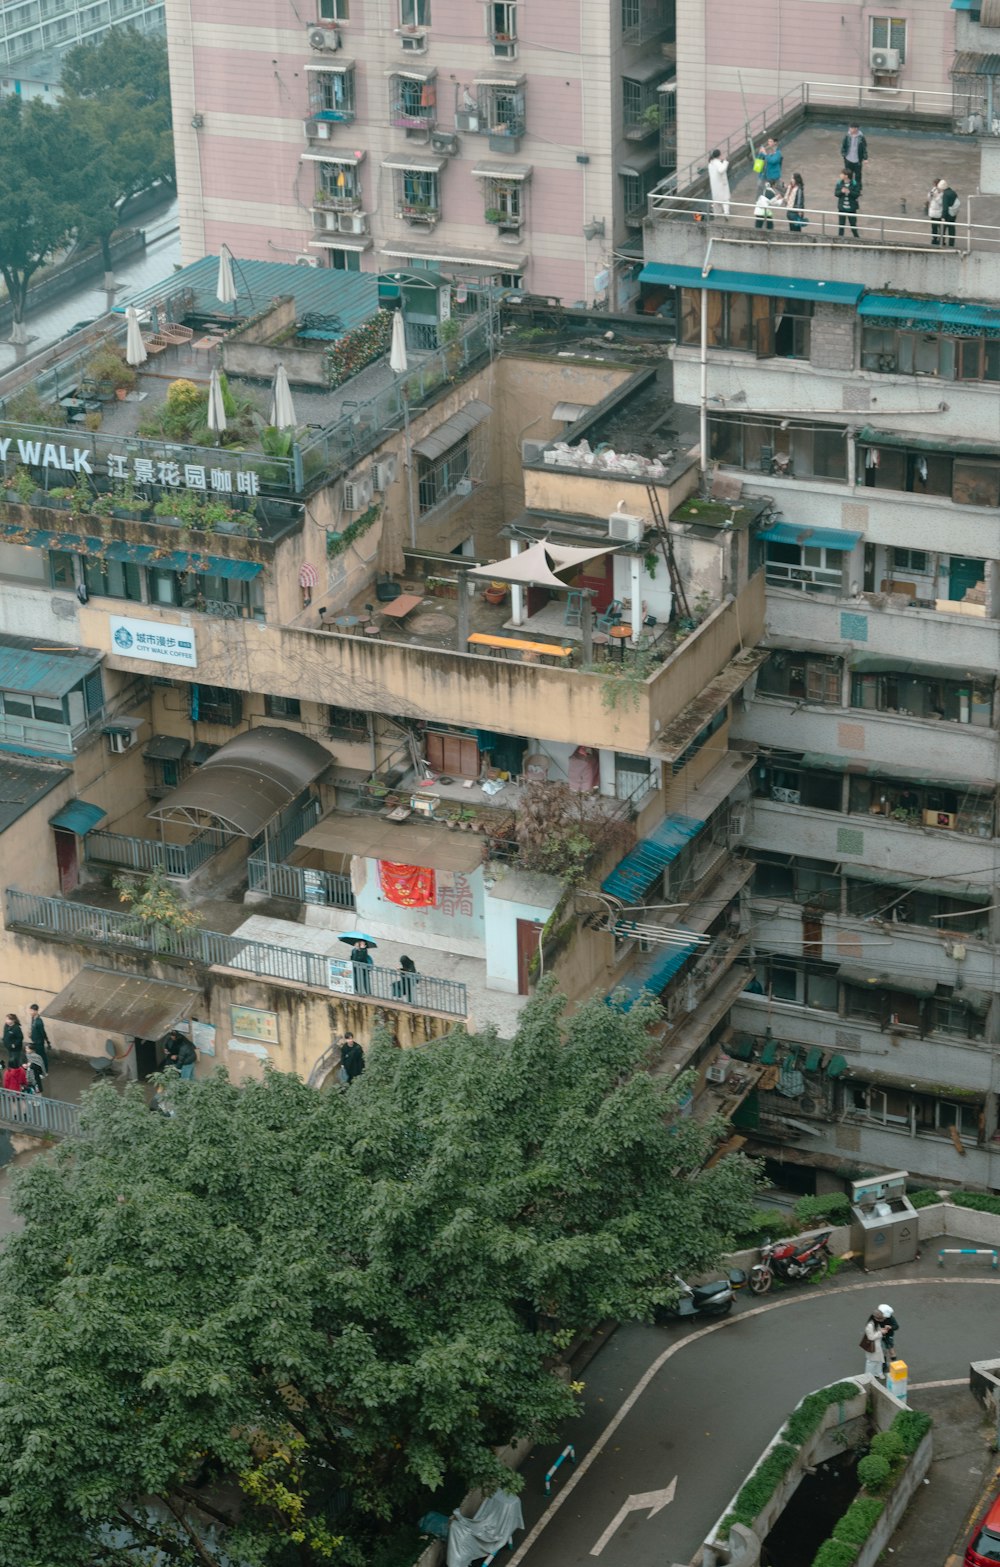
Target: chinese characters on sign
[[157, 643], [143, 470]]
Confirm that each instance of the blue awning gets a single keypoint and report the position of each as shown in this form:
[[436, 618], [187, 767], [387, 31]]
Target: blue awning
[[652, 973], [632, 878], [815, 538], [25, 667], [966, 5], [661, 275], [932, 312], [78, 816]]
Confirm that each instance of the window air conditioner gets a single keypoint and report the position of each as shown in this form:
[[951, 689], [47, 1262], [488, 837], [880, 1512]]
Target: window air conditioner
[[625, 529], [357, 494], [120, 740], [306, 261], [885, 61], [463, 487], [446, 142], [414, 43], [718, 1071], [352, 222], [324, 38], [467, 120], [531, 451]]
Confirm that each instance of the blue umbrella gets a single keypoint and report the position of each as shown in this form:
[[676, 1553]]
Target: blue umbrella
[[357, 935]]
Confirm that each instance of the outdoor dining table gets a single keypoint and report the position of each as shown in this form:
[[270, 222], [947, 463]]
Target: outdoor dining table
[[620, 634], [399, 608]]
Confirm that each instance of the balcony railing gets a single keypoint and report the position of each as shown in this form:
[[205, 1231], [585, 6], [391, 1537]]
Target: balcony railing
[[38, 1113], [823, 223], [297, 882], [36, 738], [101, 927], [147, 854]]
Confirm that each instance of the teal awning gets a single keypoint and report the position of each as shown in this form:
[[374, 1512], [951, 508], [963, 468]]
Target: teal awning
[[931, 314], [632, 878], [78, 816], [836, 1066], [814, 538], [813, 1059], [718, 280], [26, 667]]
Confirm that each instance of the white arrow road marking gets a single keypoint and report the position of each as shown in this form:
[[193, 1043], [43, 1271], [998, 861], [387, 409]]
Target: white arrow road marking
[[656, 1501]]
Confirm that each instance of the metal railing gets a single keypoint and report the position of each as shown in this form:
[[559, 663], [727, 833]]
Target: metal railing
[[823, 223], [298, 882], [38, 1113], [147, 854], [281, 841], [102, 927]]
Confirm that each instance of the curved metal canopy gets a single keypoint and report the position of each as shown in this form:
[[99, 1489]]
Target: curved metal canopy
[[246, 783]]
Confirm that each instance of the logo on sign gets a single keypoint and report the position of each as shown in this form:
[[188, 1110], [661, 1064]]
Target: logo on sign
[[123, 637]]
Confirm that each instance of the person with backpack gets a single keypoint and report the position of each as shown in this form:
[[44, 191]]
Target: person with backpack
[[950, 204], [890, 1327]]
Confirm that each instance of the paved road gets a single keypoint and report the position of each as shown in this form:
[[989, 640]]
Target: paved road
[[701, 1405]]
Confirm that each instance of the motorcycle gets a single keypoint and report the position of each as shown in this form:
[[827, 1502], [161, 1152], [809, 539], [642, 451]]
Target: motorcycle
[[789, 1261], [714, 1299]]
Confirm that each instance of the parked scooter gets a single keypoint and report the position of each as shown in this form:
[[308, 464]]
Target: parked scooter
[[714, 1299], [789, 1261]]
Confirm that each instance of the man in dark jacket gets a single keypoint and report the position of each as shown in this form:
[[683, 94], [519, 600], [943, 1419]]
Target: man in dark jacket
[[352, 1058], [41, 1043], [854, 152], [845, 194], [949, 212]]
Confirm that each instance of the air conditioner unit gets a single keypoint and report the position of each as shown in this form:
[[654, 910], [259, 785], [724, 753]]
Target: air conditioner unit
[[414, 43], [504, 50], [324, 38], [306, 261], [718, 1071], [467, 120], [120, 740], [885, 61], [463, 487], [625, 529], [446, 142], [352, 222], [383, 474], [531, 451], [357, 494], [318, 130]]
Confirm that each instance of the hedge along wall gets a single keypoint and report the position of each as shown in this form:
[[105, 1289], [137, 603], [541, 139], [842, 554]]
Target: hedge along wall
[[862, 1534]]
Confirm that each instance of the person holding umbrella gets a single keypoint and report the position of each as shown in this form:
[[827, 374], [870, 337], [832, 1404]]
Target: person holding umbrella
[[361, 959]]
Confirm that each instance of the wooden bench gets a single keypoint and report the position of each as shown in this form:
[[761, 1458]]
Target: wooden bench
[[502, 644]]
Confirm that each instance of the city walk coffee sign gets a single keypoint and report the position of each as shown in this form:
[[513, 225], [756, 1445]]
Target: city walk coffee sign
[[141, 470], [153, 641]]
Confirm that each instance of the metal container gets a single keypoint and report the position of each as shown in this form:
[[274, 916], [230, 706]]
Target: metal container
[[884, 1225]]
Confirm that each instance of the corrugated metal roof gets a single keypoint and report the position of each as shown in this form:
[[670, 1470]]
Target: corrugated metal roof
[[936, 312], [29, 664], [353, 296], [718, 279], [652, 974], [632, 878], [78, 816], [123, 1003], [968, 63], [468, 417], [22, 785], [245, 784]]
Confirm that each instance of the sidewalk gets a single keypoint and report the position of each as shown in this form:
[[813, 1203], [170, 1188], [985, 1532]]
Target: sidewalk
[[964, 1475]]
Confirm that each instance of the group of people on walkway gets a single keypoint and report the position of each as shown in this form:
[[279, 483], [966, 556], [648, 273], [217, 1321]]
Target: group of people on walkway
[[772, 191], [25, 1061], [942, 208]]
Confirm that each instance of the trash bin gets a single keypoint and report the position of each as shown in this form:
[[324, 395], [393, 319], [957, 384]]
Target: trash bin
[[884, 1227]]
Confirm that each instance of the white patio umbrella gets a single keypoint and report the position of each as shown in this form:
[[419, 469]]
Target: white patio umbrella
[[216, 407], [282, 413], [135, 348], [225, 288], [398, 362]]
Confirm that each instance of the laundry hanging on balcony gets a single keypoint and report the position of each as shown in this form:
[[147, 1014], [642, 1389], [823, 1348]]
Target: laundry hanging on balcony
[[410, 886]]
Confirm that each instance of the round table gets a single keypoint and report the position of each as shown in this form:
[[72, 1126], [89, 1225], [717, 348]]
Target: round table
[[620, 635]]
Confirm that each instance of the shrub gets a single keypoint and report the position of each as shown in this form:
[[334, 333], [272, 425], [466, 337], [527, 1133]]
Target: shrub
[[834, 1553], [911, 1426], [833, 1207], [763, 1483], [873, 1471], [925, 1198], [184, 396], [859, 1521], [982, 1202], [888, 1444], [805, 1420]]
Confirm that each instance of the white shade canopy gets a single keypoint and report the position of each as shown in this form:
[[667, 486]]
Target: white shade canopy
[[216, 407], [225, 288], [282, 412], [398, 362], [135, 348], [539, 564]]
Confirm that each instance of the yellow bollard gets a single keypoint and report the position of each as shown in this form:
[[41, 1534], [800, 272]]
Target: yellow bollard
[[896, 1381]]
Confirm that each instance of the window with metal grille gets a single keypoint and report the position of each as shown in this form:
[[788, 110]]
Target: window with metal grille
[[889, 32]]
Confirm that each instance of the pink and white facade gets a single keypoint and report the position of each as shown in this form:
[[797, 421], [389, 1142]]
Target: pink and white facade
[[729, 53], [512, 139]]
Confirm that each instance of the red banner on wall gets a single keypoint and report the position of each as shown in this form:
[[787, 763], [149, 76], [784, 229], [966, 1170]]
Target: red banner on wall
[[412, 886]]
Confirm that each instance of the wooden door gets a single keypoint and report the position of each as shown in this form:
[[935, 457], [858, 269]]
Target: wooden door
[[529, 934], [598, 576], [456, 756], [66, 860]]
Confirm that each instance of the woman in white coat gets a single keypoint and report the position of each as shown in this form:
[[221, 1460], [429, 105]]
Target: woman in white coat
[[718, 179], [871, 1344]]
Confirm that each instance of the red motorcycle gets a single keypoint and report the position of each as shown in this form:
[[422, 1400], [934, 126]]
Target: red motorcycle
[[789, 1261]]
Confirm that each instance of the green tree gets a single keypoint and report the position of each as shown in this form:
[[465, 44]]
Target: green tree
[[274, 1325], [156, 906], [38, 196], [116, 95]]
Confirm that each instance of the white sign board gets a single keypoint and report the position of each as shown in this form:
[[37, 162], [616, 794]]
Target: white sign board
[[141, 470], [152, 641], [341, 975]]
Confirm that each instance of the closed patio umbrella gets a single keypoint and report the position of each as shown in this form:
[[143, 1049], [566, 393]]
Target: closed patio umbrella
[[135, 348], [225, 288], [216, 407], [398, 362], [282, 413]]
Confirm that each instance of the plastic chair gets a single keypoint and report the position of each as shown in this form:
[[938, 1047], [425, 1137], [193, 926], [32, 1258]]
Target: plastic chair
[[611, 617], [574, 608]]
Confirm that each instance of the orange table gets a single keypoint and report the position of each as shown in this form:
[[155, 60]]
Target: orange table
[[501, 644], [399, 608], [620, 634]]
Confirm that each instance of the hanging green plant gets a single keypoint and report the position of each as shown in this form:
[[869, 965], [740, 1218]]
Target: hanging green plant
[[337, 543]]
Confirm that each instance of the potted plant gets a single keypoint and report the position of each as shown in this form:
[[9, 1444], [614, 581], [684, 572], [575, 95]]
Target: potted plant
[[111, 376], [126, 504], [493, 215]]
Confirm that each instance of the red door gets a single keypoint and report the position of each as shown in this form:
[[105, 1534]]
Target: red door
[[598, 576], [529, 935], [66, 859]]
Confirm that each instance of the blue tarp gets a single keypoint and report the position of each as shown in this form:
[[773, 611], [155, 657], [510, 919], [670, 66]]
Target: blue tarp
[[78, 816], [632, 878], [652, 973], [815, 538], [940, 312], [660, 275]]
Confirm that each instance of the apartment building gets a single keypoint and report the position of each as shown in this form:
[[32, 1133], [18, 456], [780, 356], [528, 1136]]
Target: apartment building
[[510, 142], [398, 676], [847, 383], [34, 34]]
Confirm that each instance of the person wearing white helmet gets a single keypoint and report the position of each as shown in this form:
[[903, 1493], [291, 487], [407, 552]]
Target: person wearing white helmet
[[890, 1327]]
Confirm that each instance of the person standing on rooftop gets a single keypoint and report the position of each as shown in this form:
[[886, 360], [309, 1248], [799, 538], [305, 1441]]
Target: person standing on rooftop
[[854, 152]]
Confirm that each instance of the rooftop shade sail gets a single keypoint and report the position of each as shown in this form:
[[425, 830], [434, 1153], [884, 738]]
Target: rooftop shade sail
[[537, 566], [809, 538], [246, 783], [448, 434], [78, 816], [122, 1003], [662, 275], [24, 666]]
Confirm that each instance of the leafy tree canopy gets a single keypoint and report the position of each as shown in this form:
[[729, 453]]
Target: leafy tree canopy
[[122, 59], [267, 1329], [38, 194]]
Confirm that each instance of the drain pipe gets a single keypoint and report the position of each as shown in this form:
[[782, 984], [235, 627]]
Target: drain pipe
[[703, 409]]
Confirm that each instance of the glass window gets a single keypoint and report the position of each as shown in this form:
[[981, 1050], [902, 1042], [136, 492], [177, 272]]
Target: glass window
[[49, 711], [61, 573], [414, 13], [821, 990], [343, 260], [889, 32], [282, 707], [15, 705], [334, 10]]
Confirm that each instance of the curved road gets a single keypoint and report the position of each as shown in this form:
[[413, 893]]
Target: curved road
[[700, 1405]]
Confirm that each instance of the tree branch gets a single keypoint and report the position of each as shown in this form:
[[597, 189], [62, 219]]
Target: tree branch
[[200, 1551]]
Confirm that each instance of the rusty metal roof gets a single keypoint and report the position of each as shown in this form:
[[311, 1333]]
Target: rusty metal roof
[[123, 1003]]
